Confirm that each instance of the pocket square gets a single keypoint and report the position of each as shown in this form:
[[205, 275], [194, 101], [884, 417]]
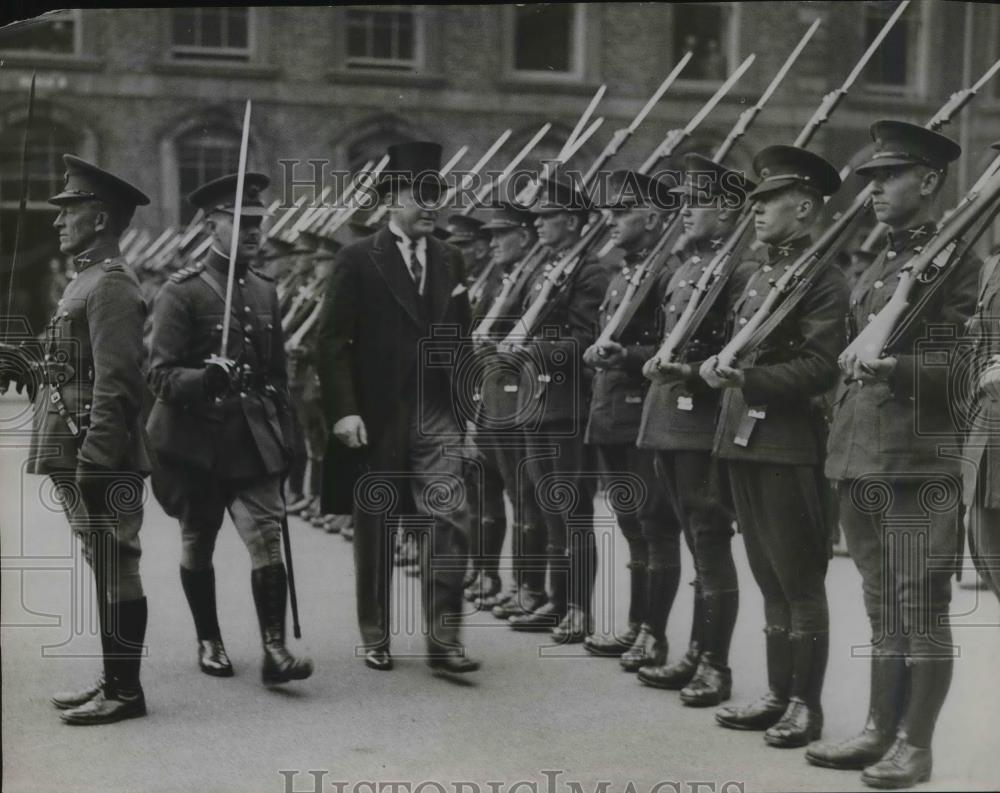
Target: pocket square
[[458, 290]]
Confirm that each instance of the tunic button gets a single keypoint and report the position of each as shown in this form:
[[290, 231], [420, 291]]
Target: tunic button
[[879, 284], [891, 255], [246, 309], [696, 259], [614, 293], [86, 407], [871, 317], [242, 282], [247, 328], [673, 308], [753, 293], [218, 327], [743, 320], [767, 268], [683, 283]]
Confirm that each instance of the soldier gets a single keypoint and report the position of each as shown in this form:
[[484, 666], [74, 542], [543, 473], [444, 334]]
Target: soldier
[[678, 421], [889, 419], [553, 400], [500, 433], [638, 206], [391, 408], [88, 427], [220, 424], [769, 441], [482, 585]]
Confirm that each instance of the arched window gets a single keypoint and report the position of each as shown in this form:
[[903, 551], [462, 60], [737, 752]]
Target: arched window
[[203, 154]]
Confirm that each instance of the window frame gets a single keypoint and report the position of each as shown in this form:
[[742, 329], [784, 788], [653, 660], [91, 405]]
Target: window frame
[[76, 14], [578, 52], [916, 84], [193, 53], [388, 66], [732, 46]]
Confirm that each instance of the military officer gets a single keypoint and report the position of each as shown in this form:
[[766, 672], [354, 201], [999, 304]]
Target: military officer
[[553, 400], [639, 206], [678, 422], [466, 233], [88, 427], [895, 490], [220, 424], [769, 440], [499, 432]]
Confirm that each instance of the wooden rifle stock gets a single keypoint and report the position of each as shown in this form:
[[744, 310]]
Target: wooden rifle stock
[[502, 303]]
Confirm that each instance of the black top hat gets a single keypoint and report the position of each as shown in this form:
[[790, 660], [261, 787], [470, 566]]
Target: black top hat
[[708, 183], [463, 229], [417, 163], [559, 195], [899, 143], [633, 190], [784, 166], [220, 195], [84, 181], [505, 216]]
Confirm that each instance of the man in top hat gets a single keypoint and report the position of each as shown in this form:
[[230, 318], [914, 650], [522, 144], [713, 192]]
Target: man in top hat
[[221, 424], [982, 482], [88, 427], [499, 432], [891, 415], [639, 206], [395, 311], [553, 404], [769, 440], [678, 424]]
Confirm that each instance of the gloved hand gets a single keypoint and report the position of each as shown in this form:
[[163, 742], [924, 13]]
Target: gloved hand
[[218, 376]]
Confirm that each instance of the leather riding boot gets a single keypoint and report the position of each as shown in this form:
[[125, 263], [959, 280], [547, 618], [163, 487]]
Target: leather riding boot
[[678, 674], [649, 649], [122, 696], [199, 588], [888, 676], [908, 761], [270, 594], [802, 721], [766, 711], [712, 684]]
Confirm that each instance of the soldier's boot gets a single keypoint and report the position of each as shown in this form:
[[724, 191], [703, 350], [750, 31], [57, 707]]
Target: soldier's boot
[[888, 689], [650, 647], [199, 589], [578, 622], [613, 646], [530, 575], [678, 674], [908, 761], [270, 594], [766, 711], [712, 684], [802, 721], [121, 697], [64, 700]]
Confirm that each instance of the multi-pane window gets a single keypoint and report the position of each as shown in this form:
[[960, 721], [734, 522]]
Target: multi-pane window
[[202, 156], [383, 37], [55, 32], [546, 38], [894, 65], [211, 33], [46, 145], [704, 30]]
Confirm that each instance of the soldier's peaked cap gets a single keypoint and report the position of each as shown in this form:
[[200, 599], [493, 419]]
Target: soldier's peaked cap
[[707, 181], [901, 143], [631, 189], [220, 194], [782, 166], [412, 162], [462, 228], [84, 181], [509, 216], [558, 194]]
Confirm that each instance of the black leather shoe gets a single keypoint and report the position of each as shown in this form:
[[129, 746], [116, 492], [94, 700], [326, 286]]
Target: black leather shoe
[[711, 685], [672, 676], [378, 659], [64, 700], [573, 628], [488, 586], [107, 708], [520, 603], [904, 765], [760, 715], [212, 658], [800, 725], [544, 618], [648, 650], [852, 754], [453, 661], [611, 646], [489, 602]]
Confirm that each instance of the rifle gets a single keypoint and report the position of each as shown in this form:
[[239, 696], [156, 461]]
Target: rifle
[[651, 265], [715, 277], [494, 184], [568, 264], [797, 280], [341, 216], [474, 171]]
